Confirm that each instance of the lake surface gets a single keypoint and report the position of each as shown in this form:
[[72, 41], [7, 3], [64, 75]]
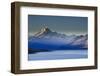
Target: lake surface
[[61, 54]]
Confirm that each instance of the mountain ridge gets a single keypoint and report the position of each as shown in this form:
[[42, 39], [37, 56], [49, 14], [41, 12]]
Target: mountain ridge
[[46, 39]]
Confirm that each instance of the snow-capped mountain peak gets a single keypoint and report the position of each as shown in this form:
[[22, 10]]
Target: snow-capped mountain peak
[[44, 30]]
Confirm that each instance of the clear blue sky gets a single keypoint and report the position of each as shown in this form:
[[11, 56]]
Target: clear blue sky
[[63, 24]]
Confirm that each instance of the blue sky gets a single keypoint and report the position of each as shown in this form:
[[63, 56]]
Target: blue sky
[[63, 24]]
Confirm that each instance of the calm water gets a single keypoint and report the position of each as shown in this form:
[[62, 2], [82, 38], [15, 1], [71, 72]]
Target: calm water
[[62, 54]]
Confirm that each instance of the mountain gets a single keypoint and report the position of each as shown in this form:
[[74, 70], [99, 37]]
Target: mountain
[[46, 33], [48, 40]]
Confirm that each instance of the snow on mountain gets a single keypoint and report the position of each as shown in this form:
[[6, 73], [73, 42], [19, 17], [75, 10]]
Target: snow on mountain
[[47, 33], [47, 39], [81, 40]]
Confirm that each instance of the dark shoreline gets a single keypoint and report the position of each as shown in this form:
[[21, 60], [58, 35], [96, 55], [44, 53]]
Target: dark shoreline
[[33, 51]]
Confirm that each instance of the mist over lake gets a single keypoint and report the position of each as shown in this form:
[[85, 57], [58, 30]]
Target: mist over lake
[[62, 54]]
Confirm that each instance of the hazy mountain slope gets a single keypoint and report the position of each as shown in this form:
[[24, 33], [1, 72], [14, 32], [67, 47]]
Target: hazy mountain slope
[[47, 40]]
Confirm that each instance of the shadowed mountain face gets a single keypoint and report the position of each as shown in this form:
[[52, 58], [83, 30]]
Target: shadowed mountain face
[[47, 40]]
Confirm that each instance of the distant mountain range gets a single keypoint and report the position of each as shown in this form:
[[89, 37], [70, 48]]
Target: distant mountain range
[[47, 40]]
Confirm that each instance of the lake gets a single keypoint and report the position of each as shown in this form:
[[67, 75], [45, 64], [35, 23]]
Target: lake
[[61, 54]]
